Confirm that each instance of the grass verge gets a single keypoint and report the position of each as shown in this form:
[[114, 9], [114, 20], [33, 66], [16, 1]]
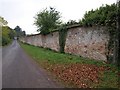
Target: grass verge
[[75, 71]]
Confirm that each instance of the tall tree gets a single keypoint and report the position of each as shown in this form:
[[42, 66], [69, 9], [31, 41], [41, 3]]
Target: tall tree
[[47, 20]]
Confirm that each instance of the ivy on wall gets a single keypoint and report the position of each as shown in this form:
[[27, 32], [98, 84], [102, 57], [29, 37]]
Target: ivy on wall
[[62, 37]]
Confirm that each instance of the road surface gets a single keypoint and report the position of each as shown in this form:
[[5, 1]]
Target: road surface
[[20, 71]]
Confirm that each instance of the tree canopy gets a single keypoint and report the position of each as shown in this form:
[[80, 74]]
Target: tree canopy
[[47, 20], [104, 15], [7, 34]]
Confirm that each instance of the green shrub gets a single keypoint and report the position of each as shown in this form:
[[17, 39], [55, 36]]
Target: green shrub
[[5, 41]]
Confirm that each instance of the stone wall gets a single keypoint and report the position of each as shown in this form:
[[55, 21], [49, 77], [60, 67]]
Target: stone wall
[[47, 41], [88, 42], [51, 41]]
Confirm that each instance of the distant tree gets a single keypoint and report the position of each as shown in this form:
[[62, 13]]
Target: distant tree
[[47, 20], [23, 33], [18, 31]]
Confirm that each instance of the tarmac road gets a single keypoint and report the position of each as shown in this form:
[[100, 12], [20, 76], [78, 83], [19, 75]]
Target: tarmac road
[[20, 71]]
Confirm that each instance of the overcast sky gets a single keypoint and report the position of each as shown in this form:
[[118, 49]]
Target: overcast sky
[[22, 12]]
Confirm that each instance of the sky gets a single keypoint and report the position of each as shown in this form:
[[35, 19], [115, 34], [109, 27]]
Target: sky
[[22, 12]]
